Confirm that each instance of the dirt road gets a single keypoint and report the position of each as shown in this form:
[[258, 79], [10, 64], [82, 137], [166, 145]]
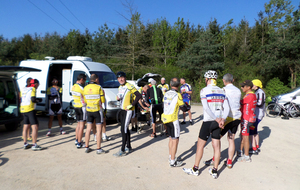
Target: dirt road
[[63, 166]]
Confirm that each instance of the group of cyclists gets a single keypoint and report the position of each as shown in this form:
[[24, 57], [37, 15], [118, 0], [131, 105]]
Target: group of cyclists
[[223, 111]]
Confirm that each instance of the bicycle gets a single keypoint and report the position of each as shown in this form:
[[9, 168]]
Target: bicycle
[[288, 109], [69, 114]]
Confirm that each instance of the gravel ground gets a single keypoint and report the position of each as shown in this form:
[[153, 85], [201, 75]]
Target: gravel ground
[[62, 166]]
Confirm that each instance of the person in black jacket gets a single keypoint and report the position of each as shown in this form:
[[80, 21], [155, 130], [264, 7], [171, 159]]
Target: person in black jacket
[[154, 97]]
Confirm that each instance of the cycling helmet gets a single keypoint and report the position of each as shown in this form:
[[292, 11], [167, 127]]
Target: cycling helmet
[[121, 74], [210, 74], [257, 83]]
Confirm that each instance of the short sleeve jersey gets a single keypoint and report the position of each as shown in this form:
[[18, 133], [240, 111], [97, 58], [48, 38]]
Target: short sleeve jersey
[[233, 95], [260, 106], [93, 96], [172, 101], [185, 88], [164, 88], [77, 93], [248, 104], [125, 94], [215, 98], [26, 104], [52, 91]]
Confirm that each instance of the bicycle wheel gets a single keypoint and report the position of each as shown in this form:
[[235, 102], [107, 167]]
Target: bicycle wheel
[[273, 110], [294, 110]]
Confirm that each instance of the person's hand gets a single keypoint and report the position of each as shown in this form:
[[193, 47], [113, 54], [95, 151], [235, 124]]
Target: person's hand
[[218, 120], [128, 107], [221, 124]]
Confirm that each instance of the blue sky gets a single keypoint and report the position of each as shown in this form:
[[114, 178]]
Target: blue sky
[[19, 17]]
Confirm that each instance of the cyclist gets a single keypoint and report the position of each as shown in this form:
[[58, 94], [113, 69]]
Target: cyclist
[[172, 102], [80, 107], [154, 97], [163, 86], [55, 106], [234, 118], [259, 112], [28, 101], [248, 104], [215, 110], [125, 96], [186, 91], [94, 96]]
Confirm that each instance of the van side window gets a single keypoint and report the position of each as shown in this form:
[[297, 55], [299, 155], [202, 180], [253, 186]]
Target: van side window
[[11, 96], [75, 75]]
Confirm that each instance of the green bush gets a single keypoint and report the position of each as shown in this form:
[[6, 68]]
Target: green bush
[[275, 87]]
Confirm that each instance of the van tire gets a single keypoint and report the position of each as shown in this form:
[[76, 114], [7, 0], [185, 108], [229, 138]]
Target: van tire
[[12, 126]]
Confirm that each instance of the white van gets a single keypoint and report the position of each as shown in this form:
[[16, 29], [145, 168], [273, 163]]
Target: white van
[[67, 71]]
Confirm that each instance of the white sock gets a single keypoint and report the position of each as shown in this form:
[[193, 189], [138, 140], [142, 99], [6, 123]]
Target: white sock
[[103, 135], [172, 162]]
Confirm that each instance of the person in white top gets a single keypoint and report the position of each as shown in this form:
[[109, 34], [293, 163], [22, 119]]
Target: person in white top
[[260, 113], [215, 111], [233, 120]]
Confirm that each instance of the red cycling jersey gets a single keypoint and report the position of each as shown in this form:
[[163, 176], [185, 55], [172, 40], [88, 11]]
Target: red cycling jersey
[[248, 104]]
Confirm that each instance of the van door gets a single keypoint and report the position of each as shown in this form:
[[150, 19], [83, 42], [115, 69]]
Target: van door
[[66, 84]]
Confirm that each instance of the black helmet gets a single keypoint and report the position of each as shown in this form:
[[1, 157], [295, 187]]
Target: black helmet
[[121, 74]]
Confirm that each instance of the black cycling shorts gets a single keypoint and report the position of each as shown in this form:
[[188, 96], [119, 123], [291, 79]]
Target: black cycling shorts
[[156, 108], [210, 128], [95, 116], [80, 114], [30, 118], [232, 126]]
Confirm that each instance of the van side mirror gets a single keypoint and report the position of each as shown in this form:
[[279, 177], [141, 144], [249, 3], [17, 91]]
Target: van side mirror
[[294, 97]]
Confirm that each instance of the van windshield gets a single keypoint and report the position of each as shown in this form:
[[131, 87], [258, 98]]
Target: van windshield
[[107, 79]]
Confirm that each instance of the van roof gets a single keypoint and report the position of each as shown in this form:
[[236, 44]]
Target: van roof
[[87, 61]]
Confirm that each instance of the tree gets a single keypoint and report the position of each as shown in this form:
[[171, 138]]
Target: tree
[[279, 15], [102, 44], [162, 39], [202, 55]]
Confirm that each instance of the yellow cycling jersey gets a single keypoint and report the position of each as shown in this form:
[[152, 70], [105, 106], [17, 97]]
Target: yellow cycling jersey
[[125, 94], [77, 93], [26, 104], [172, 100], [93, 97], [164, 88]]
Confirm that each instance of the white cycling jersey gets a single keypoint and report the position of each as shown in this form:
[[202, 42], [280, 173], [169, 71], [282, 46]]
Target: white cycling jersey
[[214, 102], [260, 105], [233, 95]]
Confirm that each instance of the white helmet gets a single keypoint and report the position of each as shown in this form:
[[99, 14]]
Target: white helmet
[[211, 74]]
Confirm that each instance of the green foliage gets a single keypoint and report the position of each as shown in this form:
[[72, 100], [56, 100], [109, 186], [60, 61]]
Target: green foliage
[[202, 55], [275, 87]]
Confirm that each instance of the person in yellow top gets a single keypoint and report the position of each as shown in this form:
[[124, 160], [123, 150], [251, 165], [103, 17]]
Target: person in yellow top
[[54, 94], [93, 97], [137, 109], [172, 101], [80, 108], [163, 86], [125, 96], [28, 101]]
